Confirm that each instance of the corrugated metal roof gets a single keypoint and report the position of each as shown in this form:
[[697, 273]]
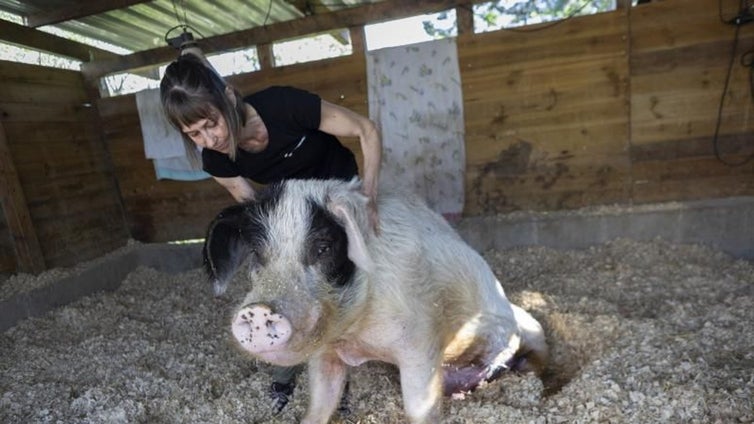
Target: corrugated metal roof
[[143, 26]]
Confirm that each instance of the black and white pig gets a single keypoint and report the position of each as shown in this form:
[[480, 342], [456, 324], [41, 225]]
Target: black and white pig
[[325, 290]]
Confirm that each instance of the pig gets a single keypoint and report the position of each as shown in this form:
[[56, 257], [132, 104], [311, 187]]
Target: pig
[[324, 287]]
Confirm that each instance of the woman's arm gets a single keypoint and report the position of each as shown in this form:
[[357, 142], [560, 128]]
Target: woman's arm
[[342, 122], [239, 188]]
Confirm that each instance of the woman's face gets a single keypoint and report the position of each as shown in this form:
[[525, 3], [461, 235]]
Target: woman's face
[[210, 133]]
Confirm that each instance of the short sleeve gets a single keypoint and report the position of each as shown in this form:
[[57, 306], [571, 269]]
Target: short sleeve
[[218, 164], [301, 108]]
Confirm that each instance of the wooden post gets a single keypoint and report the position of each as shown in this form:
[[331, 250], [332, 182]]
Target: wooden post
[[265, 56], [29, 255], [465, 18], [358, 42], [94, 92], [622, 4]]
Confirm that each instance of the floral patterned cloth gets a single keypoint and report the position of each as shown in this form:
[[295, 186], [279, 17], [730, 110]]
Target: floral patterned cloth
[[415, 99]]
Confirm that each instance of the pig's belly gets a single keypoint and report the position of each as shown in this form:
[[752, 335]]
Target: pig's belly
[[356, 353]]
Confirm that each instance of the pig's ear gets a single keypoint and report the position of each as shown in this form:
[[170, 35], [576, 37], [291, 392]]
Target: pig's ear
[[226, 246], [350, 209]]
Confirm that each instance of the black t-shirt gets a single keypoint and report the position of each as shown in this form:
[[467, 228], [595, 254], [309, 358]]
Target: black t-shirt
[[296, 147]]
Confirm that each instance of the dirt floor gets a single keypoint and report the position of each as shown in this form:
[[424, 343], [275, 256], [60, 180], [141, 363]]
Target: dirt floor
[[639, 333]]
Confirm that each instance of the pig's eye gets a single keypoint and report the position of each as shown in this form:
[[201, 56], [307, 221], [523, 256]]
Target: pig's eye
[[322, 248]]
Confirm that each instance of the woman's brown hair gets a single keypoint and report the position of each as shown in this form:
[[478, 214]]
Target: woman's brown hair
[[191, 91]]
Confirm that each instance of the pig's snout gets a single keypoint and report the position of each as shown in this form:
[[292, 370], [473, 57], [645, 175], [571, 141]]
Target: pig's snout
[[258, 329]]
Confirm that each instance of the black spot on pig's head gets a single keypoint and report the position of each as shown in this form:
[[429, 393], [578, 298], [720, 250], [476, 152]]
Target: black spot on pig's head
[[234, 235], [327, 247]]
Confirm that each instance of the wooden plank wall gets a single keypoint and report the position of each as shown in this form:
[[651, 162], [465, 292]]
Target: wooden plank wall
[[8, 261], [156, 210], [617, 107], [28, 253], [56, 146], [679, 63], [546, 112]]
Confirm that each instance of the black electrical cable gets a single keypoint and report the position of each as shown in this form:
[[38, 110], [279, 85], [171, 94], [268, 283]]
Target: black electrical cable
[[267, 16], [168, 32], [185, 28], [715, 139], [183, 21], [177, 15]]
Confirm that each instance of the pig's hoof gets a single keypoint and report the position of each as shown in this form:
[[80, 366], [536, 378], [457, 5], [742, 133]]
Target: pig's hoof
[[280, 393]]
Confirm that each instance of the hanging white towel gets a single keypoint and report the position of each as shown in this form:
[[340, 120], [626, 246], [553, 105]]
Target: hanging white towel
[[163, 143], [161, 140], [177, 168], [415, 98]]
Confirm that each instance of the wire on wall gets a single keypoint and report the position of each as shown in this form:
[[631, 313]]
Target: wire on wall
[[747, 59]]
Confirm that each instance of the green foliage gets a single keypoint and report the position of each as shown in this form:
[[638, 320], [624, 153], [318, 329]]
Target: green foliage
[[441, 25], [512, 13], [522, 12]]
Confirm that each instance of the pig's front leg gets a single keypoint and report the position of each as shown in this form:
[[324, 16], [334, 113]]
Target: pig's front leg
[[327, 377], [421, 386]]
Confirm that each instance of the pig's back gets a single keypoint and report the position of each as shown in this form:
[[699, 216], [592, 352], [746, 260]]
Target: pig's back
[[428, 250]]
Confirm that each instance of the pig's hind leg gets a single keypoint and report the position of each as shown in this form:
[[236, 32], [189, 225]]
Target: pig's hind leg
[[464, 379], [517, 345], [522, 349], [533, 354]]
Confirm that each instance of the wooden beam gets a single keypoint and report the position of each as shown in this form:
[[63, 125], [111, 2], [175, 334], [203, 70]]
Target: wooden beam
[[356, 16], [39, 40], [29, 255], [77, 10], [316, 7]]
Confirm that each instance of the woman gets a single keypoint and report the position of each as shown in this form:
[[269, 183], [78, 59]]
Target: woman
[[274, 134]]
